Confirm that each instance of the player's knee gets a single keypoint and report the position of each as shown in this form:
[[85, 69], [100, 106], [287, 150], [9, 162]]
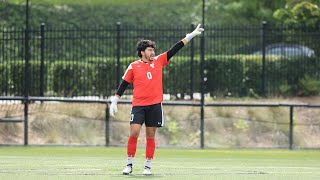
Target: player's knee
[[150, 135], [134, 134]]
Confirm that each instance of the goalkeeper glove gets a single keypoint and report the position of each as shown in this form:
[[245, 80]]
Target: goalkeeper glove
[[194, 33], [113, 107]]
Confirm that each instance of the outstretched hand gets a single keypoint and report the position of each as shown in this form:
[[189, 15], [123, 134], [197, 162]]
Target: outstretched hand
[[194, 33], [197, 31]]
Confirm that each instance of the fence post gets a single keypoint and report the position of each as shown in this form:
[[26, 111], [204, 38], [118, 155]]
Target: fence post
[[192, 63], [26, 75], [202, 80], [118, 55], [42, 60], [202, 95], [263, 50], [291, 128], [107, 128]]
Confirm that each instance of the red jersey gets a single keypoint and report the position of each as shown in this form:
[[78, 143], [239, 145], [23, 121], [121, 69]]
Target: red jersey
[[147, 80]]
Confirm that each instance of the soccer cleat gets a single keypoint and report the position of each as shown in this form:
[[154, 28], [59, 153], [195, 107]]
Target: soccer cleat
[[147, 171], [127, 170]]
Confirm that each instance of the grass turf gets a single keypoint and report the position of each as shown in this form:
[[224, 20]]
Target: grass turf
[[107, 163]]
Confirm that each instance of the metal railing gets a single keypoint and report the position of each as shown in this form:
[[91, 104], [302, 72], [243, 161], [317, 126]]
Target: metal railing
[[291, 107]]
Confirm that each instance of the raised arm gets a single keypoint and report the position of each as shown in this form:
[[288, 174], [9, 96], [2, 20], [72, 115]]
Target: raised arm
[[175, 48]]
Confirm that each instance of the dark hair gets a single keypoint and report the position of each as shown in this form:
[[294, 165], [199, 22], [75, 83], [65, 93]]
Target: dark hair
[[143, 44]]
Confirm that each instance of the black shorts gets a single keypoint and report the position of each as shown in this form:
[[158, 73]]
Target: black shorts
[[151, 115]]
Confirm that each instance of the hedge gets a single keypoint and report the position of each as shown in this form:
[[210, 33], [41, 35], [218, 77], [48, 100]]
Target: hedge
[[242, 75], [225, 76]]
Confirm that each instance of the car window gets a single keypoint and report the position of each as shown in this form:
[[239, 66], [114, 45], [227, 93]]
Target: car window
[[294, 52], [275, 51]]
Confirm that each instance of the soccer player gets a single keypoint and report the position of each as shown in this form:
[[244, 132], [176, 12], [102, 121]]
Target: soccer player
[[146, 76]]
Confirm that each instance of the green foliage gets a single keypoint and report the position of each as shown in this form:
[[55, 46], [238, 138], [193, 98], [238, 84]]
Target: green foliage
[[308, 86], [14, 82], [104, 3], [232, 72], [101, 13], [240, 12], [16, 77], [171, 130], [180, 66], [226, 76], [4, 80], [73, 78], [241, 125], [285, 90], [97, 13], [104, 76], [240, 75], [300, 76], [301, 12], [237, 75]]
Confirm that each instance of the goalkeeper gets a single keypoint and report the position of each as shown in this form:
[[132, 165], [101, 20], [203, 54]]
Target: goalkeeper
[[146, 76]]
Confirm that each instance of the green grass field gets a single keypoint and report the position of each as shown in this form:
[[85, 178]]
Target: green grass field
[[107, 163]]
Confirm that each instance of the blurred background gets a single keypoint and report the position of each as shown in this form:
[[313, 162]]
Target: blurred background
[[252, 51]]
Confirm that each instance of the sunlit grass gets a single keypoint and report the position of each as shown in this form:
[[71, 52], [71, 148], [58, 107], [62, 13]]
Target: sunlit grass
[[107, 162]]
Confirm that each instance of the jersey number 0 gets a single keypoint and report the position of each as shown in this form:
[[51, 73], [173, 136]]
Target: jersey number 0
[[149, 75]]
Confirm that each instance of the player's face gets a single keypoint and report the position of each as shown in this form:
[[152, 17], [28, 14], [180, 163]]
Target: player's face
[[149, 54]]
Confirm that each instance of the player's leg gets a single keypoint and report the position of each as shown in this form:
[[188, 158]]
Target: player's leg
[[136, 120], [132, 141], [150, 149], [132, 147], [154, 119]]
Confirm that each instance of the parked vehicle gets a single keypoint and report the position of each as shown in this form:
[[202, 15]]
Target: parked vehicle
[[287, 50]]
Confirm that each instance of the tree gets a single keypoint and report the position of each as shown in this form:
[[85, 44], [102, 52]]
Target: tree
[[241, 12], [299, 13]]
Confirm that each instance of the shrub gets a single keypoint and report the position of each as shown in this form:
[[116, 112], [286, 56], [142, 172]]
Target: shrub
[[16, 81], [225, 76], [72, 78], [308, 86], [5, 82], [105, 76]]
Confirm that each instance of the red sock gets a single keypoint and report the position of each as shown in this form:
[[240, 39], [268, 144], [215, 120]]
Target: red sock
[[132, 146], [150, 148]]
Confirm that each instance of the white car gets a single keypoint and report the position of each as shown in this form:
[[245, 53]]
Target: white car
[[287, 50]]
